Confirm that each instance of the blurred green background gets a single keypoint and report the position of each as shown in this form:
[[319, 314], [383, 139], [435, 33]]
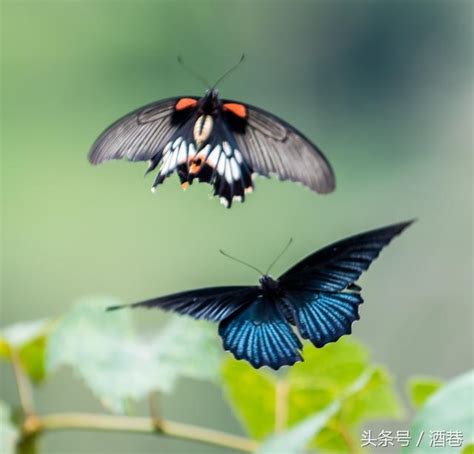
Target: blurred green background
[[384, 88]]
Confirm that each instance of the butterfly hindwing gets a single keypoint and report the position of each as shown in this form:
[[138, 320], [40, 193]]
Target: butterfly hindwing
[[323, 317], [178, 152], [260, 334], [218, 162], [223, 166]]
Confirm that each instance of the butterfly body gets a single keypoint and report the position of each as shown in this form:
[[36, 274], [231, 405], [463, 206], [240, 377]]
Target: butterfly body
[[316, 298], [269, 286], [221, 142]]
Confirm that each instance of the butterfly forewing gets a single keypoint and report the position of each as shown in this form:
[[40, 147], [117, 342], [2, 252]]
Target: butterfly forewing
[[320, 289], [213, 303], [340, 264], [140, 135], [273, 147]]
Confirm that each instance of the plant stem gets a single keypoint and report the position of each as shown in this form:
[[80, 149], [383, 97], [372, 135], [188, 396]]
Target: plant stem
[[154, 410], [65, 421], [34, 424], [281, 405], [23, 384]]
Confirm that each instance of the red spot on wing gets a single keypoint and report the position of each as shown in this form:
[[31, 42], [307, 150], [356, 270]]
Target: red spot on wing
[[237, 109], [185, 103]]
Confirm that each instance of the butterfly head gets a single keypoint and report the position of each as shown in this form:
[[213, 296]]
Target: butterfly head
[[210, 100], [212, 94], [268, 284]]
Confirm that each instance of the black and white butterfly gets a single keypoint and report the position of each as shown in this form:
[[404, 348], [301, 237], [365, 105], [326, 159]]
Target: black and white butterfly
[[317, 298], [221, 142]]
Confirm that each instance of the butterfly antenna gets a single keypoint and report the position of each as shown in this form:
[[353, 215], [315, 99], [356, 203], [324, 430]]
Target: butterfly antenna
[[194, 73], [279, 255], [240, 261], [233, 68]]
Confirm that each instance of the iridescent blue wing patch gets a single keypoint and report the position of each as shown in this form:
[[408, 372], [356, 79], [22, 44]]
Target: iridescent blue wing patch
[[261, 335], [324, 317]]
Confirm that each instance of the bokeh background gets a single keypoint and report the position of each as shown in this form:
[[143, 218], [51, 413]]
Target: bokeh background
[[384, 88]]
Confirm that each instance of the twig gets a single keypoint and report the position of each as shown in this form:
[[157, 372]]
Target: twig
[[154, 410], [34, 424], [281, 405], [70, 421], [23, 384]]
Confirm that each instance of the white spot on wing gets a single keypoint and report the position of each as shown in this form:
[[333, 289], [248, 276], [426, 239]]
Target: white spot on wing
[[192, 150], [235, 169], [167, 148], [173, 160], [221, 165], [182, 154], [228, 173], [224, 201], [177, 142], [166, 163], [238, 156], [227, 149], [213, 157], [205, 150]]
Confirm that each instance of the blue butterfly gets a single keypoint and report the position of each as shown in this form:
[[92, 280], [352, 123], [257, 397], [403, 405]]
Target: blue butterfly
[[317, 296]]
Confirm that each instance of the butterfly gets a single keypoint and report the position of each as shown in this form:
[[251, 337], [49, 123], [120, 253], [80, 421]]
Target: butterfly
[[316, 298], [218, 141]]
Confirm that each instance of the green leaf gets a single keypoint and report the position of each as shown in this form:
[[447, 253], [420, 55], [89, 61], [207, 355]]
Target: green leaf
[[370, 396], [20, 334], [333, 367], [339, 372], [468, 449], [375, 398], [28, 340], [9, 433], [325, 375], [421, 388], [118, 366], [294, 440], [189, 348], [447, 410], [245, 386]]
